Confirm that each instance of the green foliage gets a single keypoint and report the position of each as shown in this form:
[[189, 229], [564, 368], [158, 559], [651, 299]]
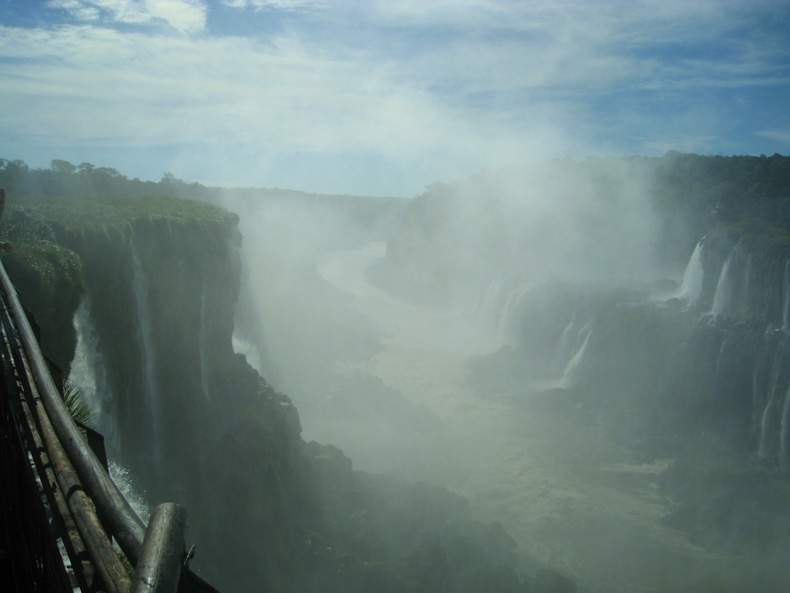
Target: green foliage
[[51, 236], [80, 410], [693, 194], [49, 279], [65, 180]]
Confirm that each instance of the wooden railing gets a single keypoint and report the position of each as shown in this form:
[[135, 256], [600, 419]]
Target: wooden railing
[[90, 509]]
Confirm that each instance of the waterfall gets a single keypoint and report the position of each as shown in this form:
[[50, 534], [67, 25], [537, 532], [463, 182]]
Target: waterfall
[[203, 343], [88, 374], [691, 285], [723, 297], [569, 374], [510, 319], [562, 352], [488, 309], [786, 298], [145, 342], [778, 383], [120, 475], [765, 417]]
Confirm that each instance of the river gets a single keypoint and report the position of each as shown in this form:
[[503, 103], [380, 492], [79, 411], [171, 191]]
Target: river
[[571, 499]]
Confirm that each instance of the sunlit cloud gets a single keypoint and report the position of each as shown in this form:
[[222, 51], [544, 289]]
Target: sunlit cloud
[[183, 15], [438, 87]]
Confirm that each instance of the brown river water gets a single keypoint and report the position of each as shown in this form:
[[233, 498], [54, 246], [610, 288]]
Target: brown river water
[[569, 498]]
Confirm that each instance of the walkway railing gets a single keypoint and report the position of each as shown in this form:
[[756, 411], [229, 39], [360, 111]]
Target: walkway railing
[[90, 507]]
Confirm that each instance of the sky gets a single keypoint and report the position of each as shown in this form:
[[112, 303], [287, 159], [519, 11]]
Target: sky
[[383, 97]]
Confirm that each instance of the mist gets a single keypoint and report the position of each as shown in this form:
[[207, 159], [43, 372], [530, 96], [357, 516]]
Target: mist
[[593, 351], [507, 336]]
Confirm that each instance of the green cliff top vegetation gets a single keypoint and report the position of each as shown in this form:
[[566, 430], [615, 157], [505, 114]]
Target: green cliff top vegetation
[[44, 230]]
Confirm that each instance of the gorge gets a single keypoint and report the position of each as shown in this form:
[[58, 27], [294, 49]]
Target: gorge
[[533, 405]]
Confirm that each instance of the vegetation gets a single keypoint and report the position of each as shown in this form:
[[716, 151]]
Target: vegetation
[[80, 410], [64, 180]]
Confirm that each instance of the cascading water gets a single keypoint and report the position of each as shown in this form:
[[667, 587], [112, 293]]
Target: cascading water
[[775, 361], [203, 343], [89, 376], [510, 319], [148, 357], [564, 349], [691, 285], [571, 369], [723, 296], [488, 310], [120, 475]]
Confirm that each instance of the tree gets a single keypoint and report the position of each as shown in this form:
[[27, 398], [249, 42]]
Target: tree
[[64, 167]]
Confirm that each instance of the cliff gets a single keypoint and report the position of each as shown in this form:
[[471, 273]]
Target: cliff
[[696, 374], [190, 419], [147, 289]]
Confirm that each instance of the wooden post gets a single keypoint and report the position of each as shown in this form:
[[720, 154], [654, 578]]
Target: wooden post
[[162, 555]]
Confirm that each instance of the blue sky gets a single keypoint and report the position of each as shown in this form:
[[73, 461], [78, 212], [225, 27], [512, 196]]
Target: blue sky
[[381, 97]]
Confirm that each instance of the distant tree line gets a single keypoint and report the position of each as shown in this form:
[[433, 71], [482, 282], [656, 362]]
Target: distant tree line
[[63, 179], [687, 189], [705, 190]]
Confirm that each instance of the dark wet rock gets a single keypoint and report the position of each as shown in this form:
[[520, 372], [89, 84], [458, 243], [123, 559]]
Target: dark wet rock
[[727, 510]]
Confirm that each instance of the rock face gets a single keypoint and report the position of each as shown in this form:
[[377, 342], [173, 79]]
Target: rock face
[[653, 362], [192, 422]]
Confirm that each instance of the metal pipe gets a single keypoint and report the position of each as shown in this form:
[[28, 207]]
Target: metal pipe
[[162, 556]]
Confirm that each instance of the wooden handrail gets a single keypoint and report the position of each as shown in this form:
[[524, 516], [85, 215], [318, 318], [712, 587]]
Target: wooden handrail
[[114, 510], [162, 557]]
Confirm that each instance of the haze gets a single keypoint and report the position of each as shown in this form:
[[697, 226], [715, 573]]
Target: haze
[[518, 332]]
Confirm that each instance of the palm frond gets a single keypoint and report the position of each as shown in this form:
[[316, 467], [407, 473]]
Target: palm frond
[[80, 410]]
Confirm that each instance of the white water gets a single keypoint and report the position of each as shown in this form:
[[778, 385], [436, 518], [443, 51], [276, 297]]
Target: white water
[[568, 498], [89, 376], [723, 296], [510, 317], [136, 498], [765, 418], [488, 311], [568, 378], [564, 349], [148, 356], [691, 285]]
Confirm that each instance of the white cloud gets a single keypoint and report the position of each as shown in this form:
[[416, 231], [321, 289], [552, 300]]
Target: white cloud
[[187, 16], [184, 15], [280, 4], [445, 86], [77, 9]]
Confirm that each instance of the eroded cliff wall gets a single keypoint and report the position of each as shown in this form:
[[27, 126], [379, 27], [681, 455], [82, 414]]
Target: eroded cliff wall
[[154, 284]]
